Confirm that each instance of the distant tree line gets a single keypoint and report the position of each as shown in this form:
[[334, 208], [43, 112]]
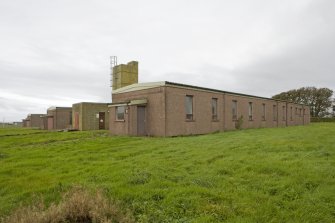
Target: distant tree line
[[319, 99]]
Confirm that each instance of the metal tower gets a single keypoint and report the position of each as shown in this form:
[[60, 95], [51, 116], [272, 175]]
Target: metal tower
[[113, 63]]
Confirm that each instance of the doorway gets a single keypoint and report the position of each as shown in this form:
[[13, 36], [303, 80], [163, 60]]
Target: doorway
[[141, 121], [50, 123], [101, 120]]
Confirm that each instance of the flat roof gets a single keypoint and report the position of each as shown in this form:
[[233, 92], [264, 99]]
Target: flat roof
[[214, 90], [35, 114], [139, 86], [85, 102], [149, 85], [54, 108]]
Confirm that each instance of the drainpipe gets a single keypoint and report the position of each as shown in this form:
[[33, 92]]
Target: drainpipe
[[286, 114], [224, 111], [55, 118], [165, 118], [127, 120], [277, 115], [303, 115]]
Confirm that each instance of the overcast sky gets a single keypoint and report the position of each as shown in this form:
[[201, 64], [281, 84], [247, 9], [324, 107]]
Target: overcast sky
[[56, 52]]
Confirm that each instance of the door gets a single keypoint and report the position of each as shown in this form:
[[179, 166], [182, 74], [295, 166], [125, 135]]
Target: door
[[101, 120], [141, 121], [50, 123]]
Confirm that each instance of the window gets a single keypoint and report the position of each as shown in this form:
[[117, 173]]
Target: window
[[291, 113], [274, 113], [189, 107], [300, 113], [250, 111], [234, 110], [214, 109], [120, 113], [263, 112], [296, 111], [284, 113]]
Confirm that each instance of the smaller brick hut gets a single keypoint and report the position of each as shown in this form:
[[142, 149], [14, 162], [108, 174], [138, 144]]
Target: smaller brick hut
[[90, 116], [34, 121], [59, 118]]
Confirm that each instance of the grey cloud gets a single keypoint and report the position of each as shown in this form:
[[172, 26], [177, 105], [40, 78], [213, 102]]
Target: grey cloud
[[309, 65], [57, 51]]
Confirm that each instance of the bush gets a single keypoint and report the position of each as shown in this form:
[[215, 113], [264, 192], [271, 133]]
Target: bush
[[315, 119], [77, 206], [239, 122]]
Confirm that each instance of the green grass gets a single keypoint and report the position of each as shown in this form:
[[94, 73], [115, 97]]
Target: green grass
[[258, 175]]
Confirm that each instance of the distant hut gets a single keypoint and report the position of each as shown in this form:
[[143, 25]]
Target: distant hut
[[59, 118], [34, 121], [90, 116]]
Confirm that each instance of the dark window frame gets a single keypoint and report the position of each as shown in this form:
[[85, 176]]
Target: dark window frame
[[189, 115], [119, 114], [214, 107], [250, 111], [274, 107], [263, 112], [234, 110]]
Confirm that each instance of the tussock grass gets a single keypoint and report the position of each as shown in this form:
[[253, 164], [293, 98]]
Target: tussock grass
[[77, 206]]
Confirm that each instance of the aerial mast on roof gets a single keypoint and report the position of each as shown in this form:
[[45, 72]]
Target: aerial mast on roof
[[113, 63]]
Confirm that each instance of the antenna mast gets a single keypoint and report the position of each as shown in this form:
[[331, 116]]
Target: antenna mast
[[113, 63]]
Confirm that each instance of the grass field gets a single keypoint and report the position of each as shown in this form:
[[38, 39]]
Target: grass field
[[259, 175]]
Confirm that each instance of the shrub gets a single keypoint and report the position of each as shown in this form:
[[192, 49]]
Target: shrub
[[77, 206], [316, 119], [239, 122]]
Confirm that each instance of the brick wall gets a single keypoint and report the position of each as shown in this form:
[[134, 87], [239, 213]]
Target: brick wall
[[166, 116]]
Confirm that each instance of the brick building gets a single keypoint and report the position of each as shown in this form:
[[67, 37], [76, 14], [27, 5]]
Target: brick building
[[90, 116], [171, 109], [59, 118], [34, 121]]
